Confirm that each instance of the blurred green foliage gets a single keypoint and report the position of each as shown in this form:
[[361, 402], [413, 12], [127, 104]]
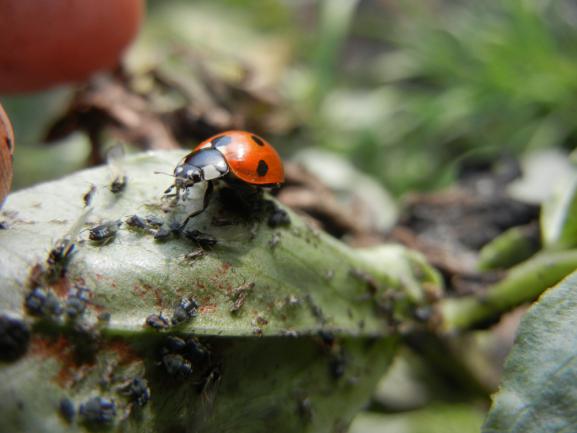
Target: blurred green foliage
[[404, 89], [442, 80]]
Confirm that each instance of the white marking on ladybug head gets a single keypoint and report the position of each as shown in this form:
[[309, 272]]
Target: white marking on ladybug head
[[178, 169], [189, 173], [210, 172]]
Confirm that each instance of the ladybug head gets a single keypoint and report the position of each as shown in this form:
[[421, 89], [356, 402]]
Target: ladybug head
[[198, 166], [186, 175]]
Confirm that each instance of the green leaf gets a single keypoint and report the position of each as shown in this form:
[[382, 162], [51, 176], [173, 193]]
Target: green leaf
[[538, 392], [291, 332]]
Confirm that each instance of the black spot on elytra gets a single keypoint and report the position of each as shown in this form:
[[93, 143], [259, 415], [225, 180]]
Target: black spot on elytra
[[258, 140], [222, 140], [262, 168], [9, 144]]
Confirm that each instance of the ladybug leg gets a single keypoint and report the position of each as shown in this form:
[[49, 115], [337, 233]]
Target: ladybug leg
[[205, 201], [169, 189]]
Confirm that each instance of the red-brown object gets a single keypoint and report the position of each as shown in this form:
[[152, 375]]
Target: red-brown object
[[48, 42], [6, 151]]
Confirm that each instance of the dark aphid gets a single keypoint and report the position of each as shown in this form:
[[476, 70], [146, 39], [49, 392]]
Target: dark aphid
[[118, 184], [78, 298], [163, 234], [138, 391], [154, 221], [89, 195], [136, 222], [177, 365], [279, 217], [115, 157], [98, 410], [204, 240], [173, 345], [104, 233], [168, 231], [67, 409], [14, 337], [157, 321], [42, 303], [61, 253], [195, 351], [186, 309]]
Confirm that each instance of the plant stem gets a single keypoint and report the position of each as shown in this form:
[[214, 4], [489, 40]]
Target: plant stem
[[523, 284]]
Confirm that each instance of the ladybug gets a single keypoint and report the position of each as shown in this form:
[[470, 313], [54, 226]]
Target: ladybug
[[234, 156]]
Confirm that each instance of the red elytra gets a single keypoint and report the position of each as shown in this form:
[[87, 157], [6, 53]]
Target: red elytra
[[249, 157]]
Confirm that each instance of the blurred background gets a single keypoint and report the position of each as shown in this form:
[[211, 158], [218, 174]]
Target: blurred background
[[406, 92], [402, 89]]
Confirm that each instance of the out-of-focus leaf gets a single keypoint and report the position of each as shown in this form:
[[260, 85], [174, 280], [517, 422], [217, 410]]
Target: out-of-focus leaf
[[542, 170], [364, 198], [296, 327], [538, 392]]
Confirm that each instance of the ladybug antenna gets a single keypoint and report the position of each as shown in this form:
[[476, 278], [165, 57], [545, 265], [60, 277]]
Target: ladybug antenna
[[166, 174]]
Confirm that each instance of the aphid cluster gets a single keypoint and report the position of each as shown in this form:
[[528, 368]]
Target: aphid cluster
[[41, 302], [184, 357], [76, 301]]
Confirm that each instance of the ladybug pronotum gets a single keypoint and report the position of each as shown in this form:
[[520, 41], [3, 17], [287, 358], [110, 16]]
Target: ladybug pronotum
[[233, 156]]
